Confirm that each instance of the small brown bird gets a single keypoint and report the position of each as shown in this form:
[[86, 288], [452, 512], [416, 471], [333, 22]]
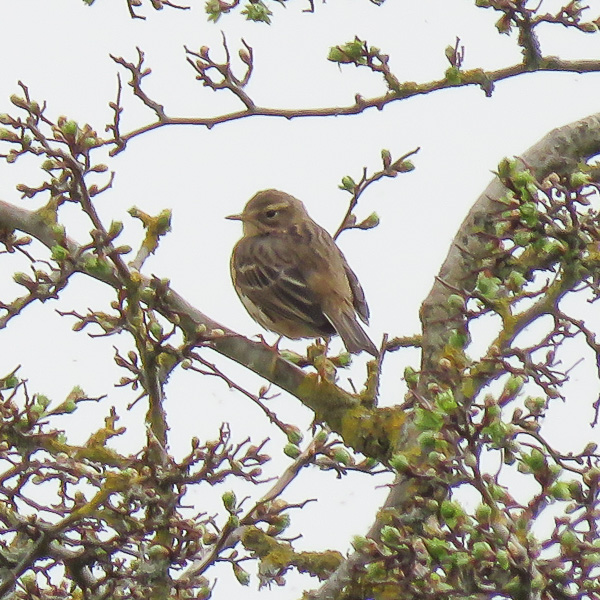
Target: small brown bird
[[291, 276]]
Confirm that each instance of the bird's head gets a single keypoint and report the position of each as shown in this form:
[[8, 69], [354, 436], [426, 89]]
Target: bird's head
[[270, 211]]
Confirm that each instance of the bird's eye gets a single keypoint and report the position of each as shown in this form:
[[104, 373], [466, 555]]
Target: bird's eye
[[271, 214]]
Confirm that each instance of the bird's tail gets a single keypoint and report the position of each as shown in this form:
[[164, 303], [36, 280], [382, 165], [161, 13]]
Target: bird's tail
[[353, 335]]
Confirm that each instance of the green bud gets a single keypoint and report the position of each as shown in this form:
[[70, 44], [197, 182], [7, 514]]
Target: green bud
[[482, 551], [8, 136], [69, 128], [523, 238], [451, 512], [213, 9], [241, 575], [116, 227], [400, 463], [507, 167], [36, 411], [291, 450], [536, 461], [49, 165], [361, 543], [156, 330], [90, 142], [522, 179], [390, 536], [386, 158], [342, 456], [568, 540], [369, 463], [502, 559], [348, 184], [428, 421], [321, 437], [344, 359], [516, 281], [458, 339], [460, 560], [411, 377], [438, 548], [370, 222], [498, 493], [9, 383], [163, 221], [42, 400], [426, 440], [290, 356], [453, 75], [100, 267], [245, 56], [205, 592], [403, 166], [22, 279], [293, 433], [59, 254], [536, 405], [28, 581], [233, 521], [257, 12], [445, 400], [353, 50], [18, 101], [529, 214], [157, 552], [575, 491], [455, 301], [376, 571], [508, 198], [514, 384], [58, 231], [279, 524], [514, 587], [579, 179], [229, 500], [483, 513], [336, 55], [560, 491], [68, 406], [488, 286]]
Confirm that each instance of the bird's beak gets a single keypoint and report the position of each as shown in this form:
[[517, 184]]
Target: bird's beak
[[235, 217]]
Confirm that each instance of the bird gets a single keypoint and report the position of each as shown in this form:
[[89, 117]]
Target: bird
[[291, 276]]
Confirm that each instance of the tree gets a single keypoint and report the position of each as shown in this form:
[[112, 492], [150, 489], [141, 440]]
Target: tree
[[114, 524]]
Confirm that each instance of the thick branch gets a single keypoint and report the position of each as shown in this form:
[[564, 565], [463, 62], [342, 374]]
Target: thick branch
[[342, 411], [559, 151]]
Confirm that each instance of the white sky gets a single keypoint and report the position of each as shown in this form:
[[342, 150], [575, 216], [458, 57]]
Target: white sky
[[60, 49]]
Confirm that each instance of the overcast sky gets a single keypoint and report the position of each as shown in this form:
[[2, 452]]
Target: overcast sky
[[60, 49]]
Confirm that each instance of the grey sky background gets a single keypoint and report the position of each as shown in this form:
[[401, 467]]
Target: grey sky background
[[60, 49]]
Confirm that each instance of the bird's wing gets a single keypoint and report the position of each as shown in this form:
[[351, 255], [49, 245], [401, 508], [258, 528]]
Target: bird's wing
[[268, 273], [358, 295]]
